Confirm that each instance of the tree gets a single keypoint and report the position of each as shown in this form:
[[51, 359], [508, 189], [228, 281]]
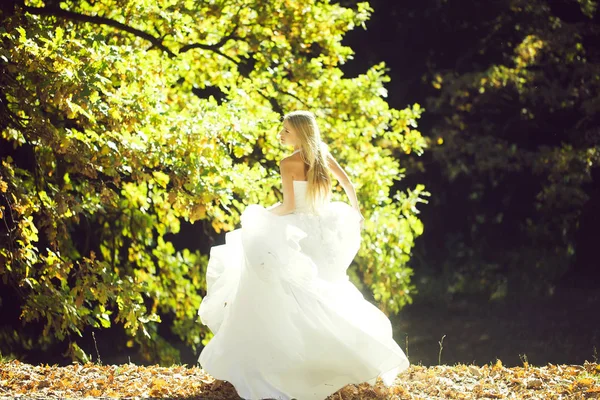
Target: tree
[[121, 118], [515, 127]]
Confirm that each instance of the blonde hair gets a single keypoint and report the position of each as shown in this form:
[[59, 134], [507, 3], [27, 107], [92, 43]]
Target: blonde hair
[[314, 154]]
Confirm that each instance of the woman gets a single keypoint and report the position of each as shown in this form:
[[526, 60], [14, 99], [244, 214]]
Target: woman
[[287, 322]]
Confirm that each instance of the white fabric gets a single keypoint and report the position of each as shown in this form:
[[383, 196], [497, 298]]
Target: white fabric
[[287, 322]]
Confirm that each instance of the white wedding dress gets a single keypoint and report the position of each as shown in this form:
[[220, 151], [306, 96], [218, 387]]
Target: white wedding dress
[[287, 322]]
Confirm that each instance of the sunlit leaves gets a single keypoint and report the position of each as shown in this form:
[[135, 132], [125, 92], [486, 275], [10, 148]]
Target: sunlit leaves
[[123, 145], [588, 7]]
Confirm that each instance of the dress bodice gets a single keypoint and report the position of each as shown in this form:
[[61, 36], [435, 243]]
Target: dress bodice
[[300, 188]]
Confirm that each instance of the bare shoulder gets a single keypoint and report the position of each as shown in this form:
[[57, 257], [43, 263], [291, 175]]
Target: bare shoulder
[[294, 165], [293, 161]]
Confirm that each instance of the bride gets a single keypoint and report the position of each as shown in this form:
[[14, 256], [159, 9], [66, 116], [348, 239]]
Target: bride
[[287, 322]]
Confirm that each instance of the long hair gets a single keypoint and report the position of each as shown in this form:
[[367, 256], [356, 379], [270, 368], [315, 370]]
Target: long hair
[[314, 153]]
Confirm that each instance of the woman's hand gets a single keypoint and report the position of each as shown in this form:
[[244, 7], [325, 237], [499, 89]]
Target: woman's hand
[[281, 209]]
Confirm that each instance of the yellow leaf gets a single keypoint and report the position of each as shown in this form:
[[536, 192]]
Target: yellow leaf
[[198, 212], [498, 365], [94, 393], [161, 178], [79, 299], [584, 382]]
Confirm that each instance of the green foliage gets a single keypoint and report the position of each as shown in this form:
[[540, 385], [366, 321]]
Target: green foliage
[[116, 127], [519, 138]]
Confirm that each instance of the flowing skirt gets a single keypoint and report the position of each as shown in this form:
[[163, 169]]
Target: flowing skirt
[[287, 322]]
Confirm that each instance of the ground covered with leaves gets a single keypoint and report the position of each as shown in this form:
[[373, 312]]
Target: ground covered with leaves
[[130, 381]]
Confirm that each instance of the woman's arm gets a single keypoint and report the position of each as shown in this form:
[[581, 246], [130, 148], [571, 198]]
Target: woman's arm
[[344, 180], [288, 206]]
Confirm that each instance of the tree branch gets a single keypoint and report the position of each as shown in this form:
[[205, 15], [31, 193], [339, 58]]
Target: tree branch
[[213, 47], [274, 103], [155, 41], [94, 19], [220, 43], [292, 95]]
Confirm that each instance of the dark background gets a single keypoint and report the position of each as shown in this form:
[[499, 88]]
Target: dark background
[[558, 324]]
